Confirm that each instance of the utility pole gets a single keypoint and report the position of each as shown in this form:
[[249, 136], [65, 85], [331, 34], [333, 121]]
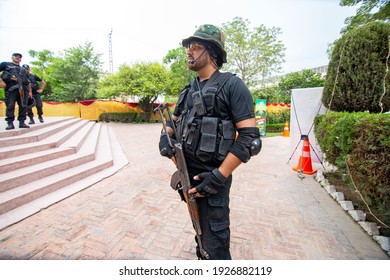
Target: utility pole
[[111, 65]]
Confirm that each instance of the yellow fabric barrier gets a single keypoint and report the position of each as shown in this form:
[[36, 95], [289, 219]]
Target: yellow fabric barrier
[[91, 110], [54, 109]]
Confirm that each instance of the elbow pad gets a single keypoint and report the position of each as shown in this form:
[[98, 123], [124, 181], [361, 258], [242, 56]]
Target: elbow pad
[[248, 143]]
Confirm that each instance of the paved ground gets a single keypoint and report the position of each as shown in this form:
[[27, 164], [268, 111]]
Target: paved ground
[[134, 214]]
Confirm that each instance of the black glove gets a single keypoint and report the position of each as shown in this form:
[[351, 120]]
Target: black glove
[[211, 183], [165, 149]]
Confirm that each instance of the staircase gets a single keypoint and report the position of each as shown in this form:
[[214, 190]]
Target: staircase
[[50, 161]]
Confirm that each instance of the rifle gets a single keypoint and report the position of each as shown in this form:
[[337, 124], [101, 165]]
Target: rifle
[[181, 180], [19, 85]]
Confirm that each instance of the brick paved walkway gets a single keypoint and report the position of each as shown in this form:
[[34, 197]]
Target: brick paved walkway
[[134, 214]]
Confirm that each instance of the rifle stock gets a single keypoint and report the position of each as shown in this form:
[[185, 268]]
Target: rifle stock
[[185, 184]]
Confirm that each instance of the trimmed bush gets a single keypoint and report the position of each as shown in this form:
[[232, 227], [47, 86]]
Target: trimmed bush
[[278, 116], [122, 117], [275, 127], [357, 70], [361, 141]]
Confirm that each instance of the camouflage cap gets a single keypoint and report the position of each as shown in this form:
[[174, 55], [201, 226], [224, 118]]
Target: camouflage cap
[[208, 33]]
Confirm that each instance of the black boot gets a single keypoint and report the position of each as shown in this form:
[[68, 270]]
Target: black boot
[[40, 119], [23, 125], [31, 121], [10, 126]]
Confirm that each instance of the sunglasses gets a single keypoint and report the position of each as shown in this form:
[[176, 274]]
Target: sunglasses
[[194, 46]]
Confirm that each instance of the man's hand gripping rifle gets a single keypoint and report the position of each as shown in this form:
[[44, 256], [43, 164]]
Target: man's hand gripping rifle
[[16, 77], [181, 180]]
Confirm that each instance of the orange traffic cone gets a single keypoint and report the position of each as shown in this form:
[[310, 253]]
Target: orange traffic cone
[[304, 163], [286, 131]]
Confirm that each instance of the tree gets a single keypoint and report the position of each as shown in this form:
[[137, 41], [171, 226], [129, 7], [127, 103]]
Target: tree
[[38, 67], [74, 75], [365, 12], [176, 60], [254, 55], [145, 81], [357, 78], [282, 91], [301, 79], [44, 60]]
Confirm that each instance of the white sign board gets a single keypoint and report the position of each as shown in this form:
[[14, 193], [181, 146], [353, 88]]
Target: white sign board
[[305, 105]]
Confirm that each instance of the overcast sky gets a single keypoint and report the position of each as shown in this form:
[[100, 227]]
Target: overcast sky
[[145, 30]]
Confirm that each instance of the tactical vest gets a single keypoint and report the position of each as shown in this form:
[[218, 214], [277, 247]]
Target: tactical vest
[[205, 135], [18, 72]]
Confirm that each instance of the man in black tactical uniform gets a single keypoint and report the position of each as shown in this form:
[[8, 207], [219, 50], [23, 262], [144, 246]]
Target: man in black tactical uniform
[[15, 80], [36, 94], [209, 112]]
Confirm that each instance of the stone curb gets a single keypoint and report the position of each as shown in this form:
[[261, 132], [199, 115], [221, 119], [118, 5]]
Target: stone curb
[[357, 215]]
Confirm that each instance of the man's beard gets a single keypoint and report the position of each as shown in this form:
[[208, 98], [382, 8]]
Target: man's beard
[[200, 63]]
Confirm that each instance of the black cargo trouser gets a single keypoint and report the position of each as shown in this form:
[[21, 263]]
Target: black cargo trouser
[[38, 104], [215, 221], [12, 97]]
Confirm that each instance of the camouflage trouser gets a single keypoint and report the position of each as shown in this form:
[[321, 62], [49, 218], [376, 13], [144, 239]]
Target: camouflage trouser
[[215, 222]]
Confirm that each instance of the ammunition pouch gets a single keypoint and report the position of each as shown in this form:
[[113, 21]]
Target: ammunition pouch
[[206, 136], [209, 138]]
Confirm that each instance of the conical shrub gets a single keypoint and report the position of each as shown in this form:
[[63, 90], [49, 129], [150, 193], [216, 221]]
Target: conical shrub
[[358, 77]]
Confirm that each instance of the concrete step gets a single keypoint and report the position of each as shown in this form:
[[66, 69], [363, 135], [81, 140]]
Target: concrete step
[[73, 159], [20, 131], [70, 146], [35, 172], [39, 143], [26, 193]]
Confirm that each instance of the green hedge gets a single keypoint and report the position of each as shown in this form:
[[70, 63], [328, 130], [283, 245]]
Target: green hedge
[[118, 117], [278, 116], [275, 127], [362, 141]]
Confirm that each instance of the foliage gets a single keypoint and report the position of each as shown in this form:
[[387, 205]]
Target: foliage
[[275, 127], [282, 92], [278, 116], [39, 66], [357, 69], [270, 93], [122, 117], [116, 85], [255, 54], [44, 60], [335, 134], [365, 12], [146, 81], [74, 75], [304, 79], [176, 60], [362, 141]]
